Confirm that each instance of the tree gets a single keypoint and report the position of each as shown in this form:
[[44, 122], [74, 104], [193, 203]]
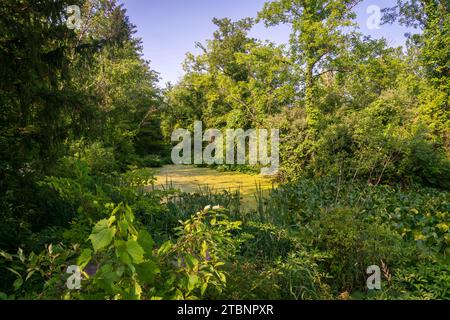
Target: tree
[[40, 105], [236, 82], [317, 39], [432, 18], [122, 82]]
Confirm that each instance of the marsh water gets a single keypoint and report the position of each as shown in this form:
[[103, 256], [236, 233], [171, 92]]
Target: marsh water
[[191, 179]]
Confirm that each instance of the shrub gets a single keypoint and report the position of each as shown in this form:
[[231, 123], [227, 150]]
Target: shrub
[[129, 266], [37, 276], [100, 159], [426, 281], [355, 245], [150, 160], [297, 275], [124, 262]]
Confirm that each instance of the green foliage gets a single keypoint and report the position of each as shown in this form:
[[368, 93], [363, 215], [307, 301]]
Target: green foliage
[[355, 244], [129, 266], [417, 213], [151, 160], [37, 276], [364, 150], [246, 81], [296, 276], [425, 282], [99, 159], [41, 106]]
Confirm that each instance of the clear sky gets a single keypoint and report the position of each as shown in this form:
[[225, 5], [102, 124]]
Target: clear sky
[[170, 28]]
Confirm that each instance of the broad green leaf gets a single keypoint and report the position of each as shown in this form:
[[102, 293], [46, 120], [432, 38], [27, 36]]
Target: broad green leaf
[[146, 241], [135, 251], [191, 261], [122, 252], [100, 225], [193, 281], [123, 227], [84, 258], [106, 278], [147, 271], [102, 235]]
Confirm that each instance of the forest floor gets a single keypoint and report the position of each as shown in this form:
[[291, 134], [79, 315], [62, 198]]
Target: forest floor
[[192, 179]]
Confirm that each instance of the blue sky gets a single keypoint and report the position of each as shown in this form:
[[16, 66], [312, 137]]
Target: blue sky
[[170, 28]]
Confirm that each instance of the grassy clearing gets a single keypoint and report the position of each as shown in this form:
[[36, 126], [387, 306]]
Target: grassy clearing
[[191, 179]]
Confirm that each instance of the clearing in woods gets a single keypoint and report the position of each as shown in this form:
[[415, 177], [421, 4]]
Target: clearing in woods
[[190, 179]]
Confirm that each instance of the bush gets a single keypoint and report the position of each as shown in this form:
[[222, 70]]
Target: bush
[[417, 213], [151, 160], [37, 276], [130, 266], [100, 160], [426, 281], [124, 262], [354, 245], [297, 275]]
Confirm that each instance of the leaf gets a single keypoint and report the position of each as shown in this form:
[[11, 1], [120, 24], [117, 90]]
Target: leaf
[[443, 227], [84, 258], [165, 247], [204, 287], [106, 278], [222, 277], [21, 255], [102, 235], [146, 241], [193, 281], [30, 274], [123, 227], [191, 261], [15, 272], [137, 290], [116, 209], [147, 271], [17, 284], [122, 252], [6, 255], [135, 251], [100, 225], [111, 220], [129, 215], [204, 249]]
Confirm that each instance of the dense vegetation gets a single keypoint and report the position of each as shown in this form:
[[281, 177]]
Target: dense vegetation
[[365, 166]]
